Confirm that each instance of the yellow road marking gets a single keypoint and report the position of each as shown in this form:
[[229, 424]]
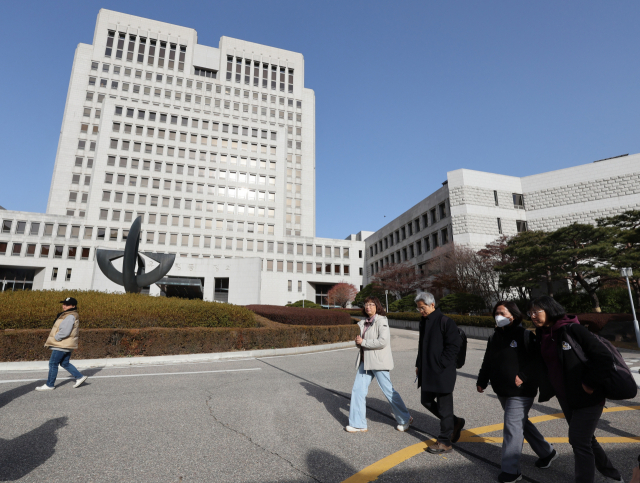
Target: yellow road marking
[[371, 472]]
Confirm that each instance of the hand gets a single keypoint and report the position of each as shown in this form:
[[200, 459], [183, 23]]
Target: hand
[[358, 340], [518, 382], [587, 389], [479, 389]]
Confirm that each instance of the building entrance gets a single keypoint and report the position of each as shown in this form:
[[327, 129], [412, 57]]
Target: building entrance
[[16, 279]]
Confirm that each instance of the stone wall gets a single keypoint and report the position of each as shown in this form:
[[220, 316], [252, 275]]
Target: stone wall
[[550, 223], [569, 194]]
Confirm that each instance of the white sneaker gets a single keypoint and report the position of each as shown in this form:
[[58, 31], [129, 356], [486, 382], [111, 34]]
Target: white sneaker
[[404, 427], [80, 381], [44, 387], [350, 429]]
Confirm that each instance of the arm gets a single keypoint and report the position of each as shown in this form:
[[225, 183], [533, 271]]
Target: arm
[[451, 342], [65, 328], [483, 375], [383, 337], [598, 357]]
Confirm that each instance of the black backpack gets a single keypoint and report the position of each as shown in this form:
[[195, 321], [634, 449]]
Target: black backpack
[[462, 353], [619, 383]]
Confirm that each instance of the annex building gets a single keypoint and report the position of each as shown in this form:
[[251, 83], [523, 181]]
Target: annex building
[[474, 208], [214, 147]]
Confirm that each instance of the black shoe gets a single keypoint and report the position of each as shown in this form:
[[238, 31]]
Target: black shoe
[[611, 473], [439, 448], [508, 477], [546, 461], [457, 428]]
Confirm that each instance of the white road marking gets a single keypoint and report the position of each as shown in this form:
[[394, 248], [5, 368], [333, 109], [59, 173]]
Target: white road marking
[[134, 366], [307, 353], [139, 375]]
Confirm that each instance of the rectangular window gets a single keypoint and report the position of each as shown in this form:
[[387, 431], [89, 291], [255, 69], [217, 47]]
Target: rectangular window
[[495, 198], [499, 226], [54, 274], [518, 201], [521, 226]]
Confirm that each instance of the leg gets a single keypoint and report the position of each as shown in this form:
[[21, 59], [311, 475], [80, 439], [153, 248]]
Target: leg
[[515, 417], [588, 453], [358, 406], [54, 360], [397, 404], [441, 406], [538, 444], [70, 368]]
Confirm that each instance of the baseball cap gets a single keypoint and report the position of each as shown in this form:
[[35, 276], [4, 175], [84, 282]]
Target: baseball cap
[[69, 301]]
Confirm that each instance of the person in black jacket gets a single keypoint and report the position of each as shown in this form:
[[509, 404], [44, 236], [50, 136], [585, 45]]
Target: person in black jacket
[[438, 348], [510, 365], [577, 385]]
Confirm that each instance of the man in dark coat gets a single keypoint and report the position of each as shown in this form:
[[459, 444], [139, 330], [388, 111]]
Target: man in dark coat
[[438, 349]]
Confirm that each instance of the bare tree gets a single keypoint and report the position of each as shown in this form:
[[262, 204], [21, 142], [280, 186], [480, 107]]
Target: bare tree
[[341, 294], [400, 279]]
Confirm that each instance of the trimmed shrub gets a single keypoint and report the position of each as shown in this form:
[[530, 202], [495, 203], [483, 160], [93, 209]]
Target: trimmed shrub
[[473, 320], [595, 322], [405, 304], [98, 310], [20, 345], [308, 304], [462, 303], [300, 316]]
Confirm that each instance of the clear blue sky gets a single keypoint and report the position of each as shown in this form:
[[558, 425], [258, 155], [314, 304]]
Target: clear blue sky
[[405, 91]]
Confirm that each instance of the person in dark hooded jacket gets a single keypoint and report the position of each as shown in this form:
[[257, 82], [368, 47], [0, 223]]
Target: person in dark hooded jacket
[[510, 366], [577, 385]]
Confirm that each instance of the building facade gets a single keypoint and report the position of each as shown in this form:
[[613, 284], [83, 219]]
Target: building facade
[[475, 208], [214, 147]]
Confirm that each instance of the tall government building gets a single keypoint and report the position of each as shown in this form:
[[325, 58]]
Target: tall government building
[[214, 147]]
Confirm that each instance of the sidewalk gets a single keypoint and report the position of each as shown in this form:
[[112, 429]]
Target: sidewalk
[[154, 360]]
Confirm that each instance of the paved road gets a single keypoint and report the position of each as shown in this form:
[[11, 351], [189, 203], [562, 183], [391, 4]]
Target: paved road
[[277, 419]]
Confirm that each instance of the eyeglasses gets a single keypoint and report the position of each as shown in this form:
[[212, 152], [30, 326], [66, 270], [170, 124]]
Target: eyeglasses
[[534, 313], [369, 305]]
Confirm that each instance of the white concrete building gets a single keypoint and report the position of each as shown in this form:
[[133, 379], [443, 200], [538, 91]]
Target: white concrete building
[[213, 146], [475, 208]]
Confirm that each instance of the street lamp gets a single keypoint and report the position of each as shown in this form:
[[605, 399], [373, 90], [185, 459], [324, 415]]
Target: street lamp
[[626, 273], [303, 301], [386, 299]]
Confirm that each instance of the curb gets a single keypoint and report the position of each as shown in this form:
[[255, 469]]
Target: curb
[[193, 358]]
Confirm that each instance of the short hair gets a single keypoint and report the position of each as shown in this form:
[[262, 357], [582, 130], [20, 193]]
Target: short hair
[[552, 309], [379, 308], [426, 297], [511, 307]]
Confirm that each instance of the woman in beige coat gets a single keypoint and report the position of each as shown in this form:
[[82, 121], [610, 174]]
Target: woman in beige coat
[[374, 360]]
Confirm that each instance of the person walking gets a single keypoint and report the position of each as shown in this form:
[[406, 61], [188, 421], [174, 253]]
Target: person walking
[[576, 385], [438, 349], [374, 360], [62, 341], [510, 365]]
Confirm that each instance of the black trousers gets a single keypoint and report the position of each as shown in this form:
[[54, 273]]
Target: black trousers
[[587, 452], [441, 406]]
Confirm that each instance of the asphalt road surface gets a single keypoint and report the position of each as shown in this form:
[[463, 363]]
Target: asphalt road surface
[[278, 419]]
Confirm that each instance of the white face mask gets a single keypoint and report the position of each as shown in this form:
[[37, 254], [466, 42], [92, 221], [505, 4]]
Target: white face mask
[[502, 321]]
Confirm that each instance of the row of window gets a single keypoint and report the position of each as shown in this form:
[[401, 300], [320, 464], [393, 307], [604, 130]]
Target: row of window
[[412, 250], [244, 68], [231, 209], [189, 170], [119, 43], [74, 232], [126, 144], [211, 173], [46, 251], [414, 226], [216, 190], [189, 84]]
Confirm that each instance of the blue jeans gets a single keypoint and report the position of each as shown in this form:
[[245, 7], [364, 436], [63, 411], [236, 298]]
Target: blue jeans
[[358, 407], [60, 358]]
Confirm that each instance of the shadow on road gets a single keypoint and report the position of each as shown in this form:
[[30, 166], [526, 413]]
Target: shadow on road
[[337, 405], [7, 396], [21, 455]]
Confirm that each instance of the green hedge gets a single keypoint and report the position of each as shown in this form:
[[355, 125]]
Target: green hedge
[[300, 316], [101, 310], [28, 345]]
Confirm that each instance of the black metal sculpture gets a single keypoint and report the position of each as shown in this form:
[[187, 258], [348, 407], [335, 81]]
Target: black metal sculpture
[[132, 281]]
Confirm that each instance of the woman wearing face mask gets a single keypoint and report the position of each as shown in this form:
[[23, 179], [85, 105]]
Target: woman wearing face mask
[[510, 365]]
